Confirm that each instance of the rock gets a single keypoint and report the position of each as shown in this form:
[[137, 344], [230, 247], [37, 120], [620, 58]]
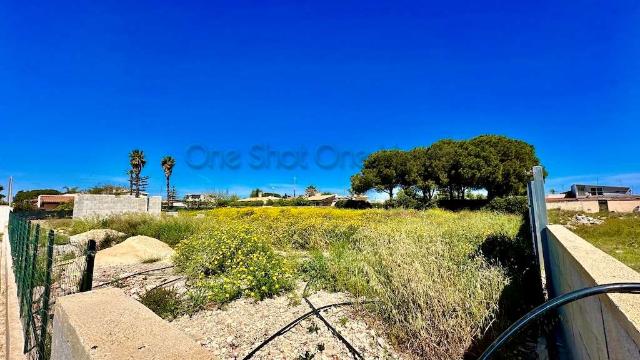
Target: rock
[[585, 220], [101, 236], [135, 250]]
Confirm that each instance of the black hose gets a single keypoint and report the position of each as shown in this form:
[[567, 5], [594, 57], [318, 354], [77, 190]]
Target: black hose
[[167, 283], [132, 275], [554, 304], [335, 332], [295, 322], [356, 354]]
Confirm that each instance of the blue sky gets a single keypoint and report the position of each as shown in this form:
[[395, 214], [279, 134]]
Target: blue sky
[[85, 82]]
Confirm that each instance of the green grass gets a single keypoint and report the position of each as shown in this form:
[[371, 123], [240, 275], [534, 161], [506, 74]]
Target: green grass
[[619, 235]]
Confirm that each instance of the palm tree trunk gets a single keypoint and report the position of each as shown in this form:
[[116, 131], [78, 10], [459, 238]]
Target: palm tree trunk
[[168, 194]]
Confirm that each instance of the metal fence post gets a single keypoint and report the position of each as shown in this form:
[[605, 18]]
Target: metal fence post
[[44, 309], [33, 264], [86, 284]]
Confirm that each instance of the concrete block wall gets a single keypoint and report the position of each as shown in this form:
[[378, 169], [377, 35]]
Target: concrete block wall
[[573, 205], [88, 205], [601, 327], [623, 206]]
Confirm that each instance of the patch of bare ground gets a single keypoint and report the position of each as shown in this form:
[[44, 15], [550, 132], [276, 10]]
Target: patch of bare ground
[[232, 331]]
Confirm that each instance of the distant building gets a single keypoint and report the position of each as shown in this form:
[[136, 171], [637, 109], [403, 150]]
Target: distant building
[[582, 191], [264, 199], [322, 200], [50, 202], [595, 198]]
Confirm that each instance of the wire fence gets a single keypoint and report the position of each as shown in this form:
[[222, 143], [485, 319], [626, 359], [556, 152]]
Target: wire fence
[[46, 266]]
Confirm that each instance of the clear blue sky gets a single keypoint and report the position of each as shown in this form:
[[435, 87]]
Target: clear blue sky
[[84, 82]]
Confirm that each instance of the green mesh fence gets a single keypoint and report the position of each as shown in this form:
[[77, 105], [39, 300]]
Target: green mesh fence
[[46, 266]]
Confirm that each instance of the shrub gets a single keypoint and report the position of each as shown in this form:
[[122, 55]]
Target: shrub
[[509, 205], [170, 229], [257, 203], [353, 204], [228, 261], [164, 302]]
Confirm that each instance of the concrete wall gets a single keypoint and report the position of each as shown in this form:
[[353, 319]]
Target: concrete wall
[[107, 324], [623, 206], [12, 326], [4, 217], [87, 205], [601, 327], [574, 205]]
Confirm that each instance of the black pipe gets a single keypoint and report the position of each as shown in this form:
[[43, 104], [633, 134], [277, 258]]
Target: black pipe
[[132, 275], [554, 304], [291, 325], [335, 332]]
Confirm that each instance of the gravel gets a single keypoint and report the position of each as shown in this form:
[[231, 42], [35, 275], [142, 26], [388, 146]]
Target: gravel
[[234, 330]]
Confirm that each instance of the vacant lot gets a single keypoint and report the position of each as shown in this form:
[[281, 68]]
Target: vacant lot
[[617, 235], [436, 279]]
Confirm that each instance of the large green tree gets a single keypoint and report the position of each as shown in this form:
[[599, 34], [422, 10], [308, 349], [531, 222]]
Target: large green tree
[[383, 171], [515, 159], [1, 195], [168, 163], [422, 175]]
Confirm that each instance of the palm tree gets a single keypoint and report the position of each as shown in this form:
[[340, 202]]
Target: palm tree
[[130, 174], [168, 163], [137, 162]]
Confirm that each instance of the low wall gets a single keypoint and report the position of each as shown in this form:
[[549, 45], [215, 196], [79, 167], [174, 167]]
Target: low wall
[[87, 205], [575, 205], [13, 332], [4, 217], [623, 206], [600, 327], [107, 324]]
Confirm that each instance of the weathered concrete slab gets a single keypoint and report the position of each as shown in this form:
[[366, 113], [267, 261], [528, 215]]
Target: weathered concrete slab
[[107, 324]]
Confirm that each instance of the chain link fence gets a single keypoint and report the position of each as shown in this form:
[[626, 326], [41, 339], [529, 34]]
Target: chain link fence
[[46, 266]]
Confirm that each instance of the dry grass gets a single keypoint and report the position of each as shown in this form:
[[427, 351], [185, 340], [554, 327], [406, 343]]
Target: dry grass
[[434, 291]]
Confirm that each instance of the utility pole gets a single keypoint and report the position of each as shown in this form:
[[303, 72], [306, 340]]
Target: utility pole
[[10, 191], [294, 186]]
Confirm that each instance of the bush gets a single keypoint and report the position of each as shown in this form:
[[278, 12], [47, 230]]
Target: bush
[[228, 261], [246, 203], [170, 230], [165, 303], [509, 205], [353, 204]]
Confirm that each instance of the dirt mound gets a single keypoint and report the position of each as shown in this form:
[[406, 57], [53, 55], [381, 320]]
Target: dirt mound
[[101, 236], [135, 250]]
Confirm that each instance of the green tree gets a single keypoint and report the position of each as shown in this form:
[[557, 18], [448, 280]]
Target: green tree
[[383, 171], [1, 195], [310, 190], [515, 159], [168, 163], [422, 176], [255, 192], [137, 162], [107, 189]]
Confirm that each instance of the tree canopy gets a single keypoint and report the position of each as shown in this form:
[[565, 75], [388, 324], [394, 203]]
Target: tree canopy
[[497, 164], [383, 171]]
